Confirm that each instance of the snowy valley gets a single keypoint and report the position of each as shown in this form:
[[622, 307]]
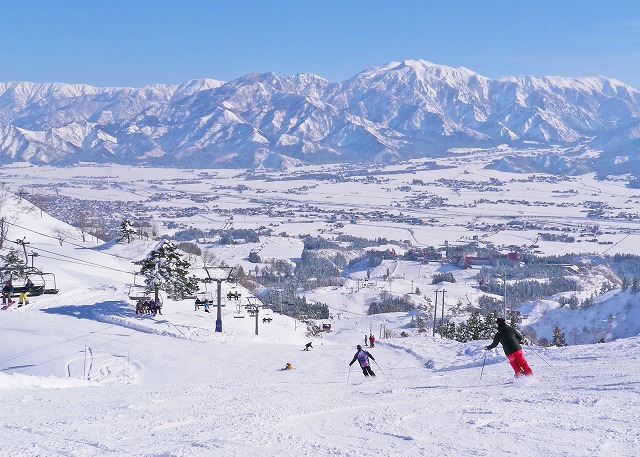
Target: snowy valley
[[82, 374]]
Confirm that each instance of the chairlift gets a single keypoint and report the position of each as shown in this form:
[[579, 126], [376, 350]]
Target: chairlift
[[137, 291], [44, 280], [239, 311], [34, 290], [203, 298], [233, 294]]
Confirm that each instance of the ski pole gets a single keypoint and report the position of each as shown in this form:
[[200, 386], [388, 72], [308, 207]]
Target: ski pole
[[484, 359], [379, 367], [529, 346]]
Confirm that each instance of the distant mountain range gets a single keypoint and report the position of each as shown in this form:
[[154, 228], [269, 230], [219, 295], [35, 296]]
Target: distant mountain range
[[388, 113]]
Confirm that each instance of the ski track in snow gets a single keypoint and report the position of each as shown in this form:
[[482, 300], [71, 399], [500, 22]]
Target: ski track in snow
[[426, 398]]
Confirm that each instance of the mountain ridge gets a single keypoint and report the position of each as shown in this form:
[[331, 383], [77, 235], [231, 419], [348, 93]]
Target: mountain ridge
[[395, 111]]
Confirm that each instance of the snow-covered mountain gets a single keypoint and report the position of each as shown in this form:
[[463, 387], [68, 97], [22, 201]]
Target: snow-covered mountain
[[395, 111]]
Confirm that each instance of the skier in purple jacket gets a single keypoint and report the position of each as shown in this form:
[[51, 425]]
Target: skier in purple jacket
[[363, 357]]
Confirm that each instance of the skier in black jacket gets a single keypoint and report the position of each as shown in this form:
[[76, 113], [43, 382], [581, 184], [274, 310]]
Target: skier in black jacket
[[363, 357], [510, 338]]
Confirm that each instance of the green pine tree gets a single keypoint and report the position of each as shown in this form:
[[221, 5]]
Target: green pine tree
[[475, 326], [165, 269], [558, 337], [625, 283], [127, 231], [13, 265], [462, 333], [489, 326]]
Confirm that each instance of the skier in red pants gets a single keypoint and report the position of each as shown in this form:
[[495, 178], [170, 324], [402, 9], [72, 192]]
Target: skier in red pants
[[511, 339]]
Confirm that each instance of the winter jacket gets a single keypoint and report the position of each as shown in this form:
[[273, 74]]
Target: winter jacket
[[7, 289], [362, 357], [509, 337]]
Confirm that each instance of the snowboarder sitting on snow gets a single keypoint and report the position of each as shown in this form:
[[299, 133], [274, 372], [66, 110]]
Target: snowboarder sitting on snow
[[307, 346], [510, 338], [363, 357], [7, 291]]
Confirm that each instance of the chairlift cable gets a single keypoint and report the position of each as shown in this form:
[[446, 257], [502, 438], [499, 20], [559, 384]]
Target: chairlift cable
[[68, 242], [89, 264]]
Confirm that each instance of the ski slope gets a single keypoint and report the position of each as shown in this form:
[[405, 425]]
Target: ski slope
[[82, 375]]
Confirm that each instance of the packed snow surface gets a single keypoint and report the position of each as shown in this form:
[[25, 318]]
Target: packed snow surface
[[82, 375], [78, 382]]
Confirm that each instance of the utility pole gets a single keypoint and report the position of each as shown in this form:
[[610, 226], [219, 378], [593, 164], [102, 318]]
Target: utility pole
[[442, 316], [504, 282], [435, 313]]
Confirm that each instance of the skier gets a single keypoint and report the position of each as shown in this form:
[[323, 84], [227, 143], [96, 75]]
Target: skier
[[366, 340], [307, 346], [372, 340], [363, 357], [510, 338], [7, 291]]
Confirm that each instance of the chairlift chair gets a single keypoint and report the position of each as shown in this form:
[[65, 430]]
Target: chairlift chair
[[36, 289], [204, 297], [137, 291], [233, 294], [42, 280], [239, 314]]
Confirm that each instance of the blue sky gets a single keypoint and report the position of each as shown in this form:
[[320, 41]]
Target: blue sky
[[135, 43]]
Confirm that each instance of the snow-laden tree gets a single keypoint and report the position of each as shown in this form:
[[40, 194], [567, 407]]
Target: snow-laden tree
[[127, 231], [165, 269], [558, 337], [13, 265]]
